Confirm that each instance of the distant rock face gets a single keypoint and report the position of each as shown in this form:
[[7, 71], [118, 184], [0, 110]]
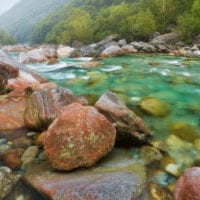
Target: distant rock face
[[43, 106], [128, 124], [78, 137], [188, 185], [168, 38], [112, 50]]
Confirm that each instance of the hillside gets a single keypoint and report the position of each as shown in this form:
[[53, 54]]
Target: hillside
[[19, 20], [92, 20]]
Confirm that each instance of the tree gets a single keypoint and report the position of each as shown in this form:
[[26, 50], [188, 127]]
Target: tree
[[6, 38], [189, 23], [141, 25]]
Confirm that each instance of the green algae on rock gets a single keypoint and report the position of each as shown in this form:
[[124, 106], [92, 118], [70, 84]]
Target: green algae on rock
[[155, 107]]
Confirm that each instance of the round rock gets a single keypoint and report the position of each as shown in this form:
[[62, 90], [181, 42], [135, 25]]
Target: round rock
[[188, 185], [78, 137]]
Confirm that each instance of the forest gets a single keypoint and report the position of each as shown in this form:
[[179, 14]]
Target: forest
[[91, 20]]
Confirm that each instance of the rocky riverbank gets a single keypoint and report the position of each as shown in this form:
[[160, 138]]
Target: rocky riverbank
[[45, 128], [113, 45]]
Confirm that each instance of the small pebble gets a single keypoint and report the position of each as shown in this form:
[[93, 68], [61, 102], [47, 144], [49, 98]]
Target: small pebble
[[173, 169], [20, 197], [3, 141], [6, 169], [31, 133], [4, 148]]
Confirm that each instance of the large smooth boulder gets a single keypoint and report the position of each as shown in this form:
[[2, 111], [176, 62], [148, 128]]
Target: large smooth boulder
[[188, 185], [65, 51], [118, 177], [129, 125], [11, 116], [38, 55], [167, 39], [7, 71], [95, 49], [43, 106], [128, 49], [12, 72], [112, 50], [78, 137]]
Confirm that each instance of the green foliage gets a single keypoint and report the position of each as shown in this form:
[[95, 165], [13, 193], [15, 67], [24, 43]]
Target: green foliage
[[20, 19], [92, 20], [189, 23], [6, 38], [141, 25]]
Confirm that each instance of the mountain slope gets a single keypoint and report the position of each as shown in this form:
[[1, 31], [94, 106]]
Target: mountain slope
[[20, 19]]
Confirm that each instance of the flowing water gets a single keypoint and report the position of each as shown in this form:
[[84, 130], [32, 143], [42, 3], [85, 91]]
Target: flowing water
[[175, 80]]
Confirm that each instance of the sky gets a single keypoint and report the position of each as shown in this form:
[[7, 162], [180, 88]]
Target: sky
[[6, 4]]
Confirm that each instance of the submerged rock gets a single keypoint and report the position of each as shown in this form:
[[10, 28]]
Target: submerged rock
[[43, 106], [150, 154], [179, 149], [184, 130], [156, 192], [155, 107], [79, 137], [188, 185], [129, 125], [117, 177]]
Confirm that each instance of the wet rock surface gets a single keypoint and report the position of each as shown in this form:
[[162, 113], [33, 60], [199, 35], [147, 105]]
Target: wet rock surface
[[128, 124], [11, 115], [188, 185], [118, 177], [79, 137], [44, 106], [155, 107], [10, 69]]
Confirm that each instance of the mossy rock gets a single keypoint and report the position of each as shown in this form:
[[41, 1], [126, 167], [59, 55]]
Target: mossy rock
[[155, 107], [184, 130]]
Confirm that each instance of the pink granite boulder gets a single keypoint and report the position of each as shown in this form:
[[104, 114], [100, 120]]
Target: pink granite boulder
[[78, 137], [188, 185]]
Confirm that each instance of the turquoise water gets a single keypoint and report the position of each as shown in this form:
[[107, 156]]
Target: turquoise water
[[175, 80]]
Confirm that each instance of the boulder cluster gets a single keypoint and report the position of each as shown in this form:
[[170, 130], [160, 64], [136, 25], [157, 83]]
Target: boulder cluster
[[76, 134], [112, 45], [40, 121]]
